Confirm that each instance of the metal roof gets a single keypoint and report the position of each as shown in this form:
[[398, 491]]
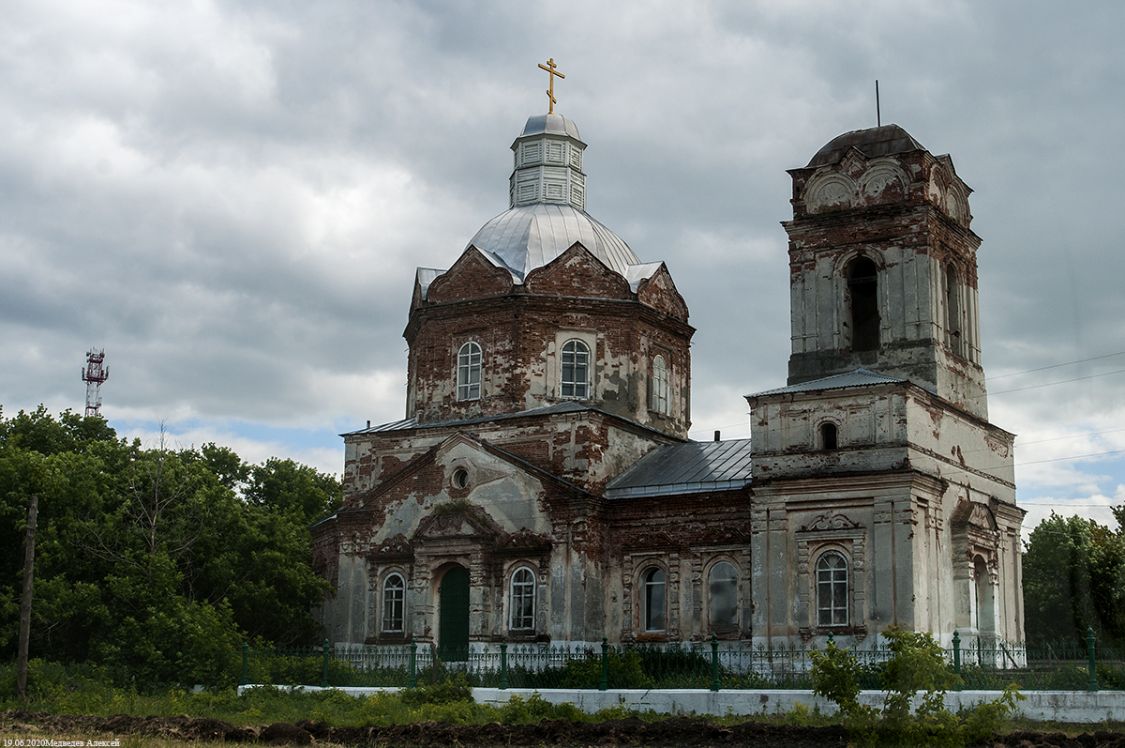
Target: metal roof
[[856, 378], [693, 467], [637, 273], [530, 236], [566, 406], [550, 124], [872, 142]]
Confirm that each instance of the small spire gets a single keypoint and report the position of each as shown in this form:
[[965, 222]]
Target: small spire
[[878, 111], [551, 73]]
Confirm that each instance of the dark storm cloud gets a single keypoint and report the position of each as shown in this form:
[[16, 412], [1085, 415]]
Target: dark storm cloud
[[232, 197]]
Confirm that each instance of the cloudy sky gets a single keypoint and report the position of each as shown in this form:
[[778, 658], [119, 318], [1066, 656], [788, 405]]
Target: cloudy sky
[[231, 198]]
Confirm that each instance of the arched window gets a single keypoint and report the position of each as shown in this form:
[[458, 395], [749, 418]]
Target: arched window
[[652, 584], [863, 288], [985, 613], [659, 392], [575, 378], [521, 600], [832, 590], [394, 596], [953, 310], [828, 436], [468, 372], [722, 587]]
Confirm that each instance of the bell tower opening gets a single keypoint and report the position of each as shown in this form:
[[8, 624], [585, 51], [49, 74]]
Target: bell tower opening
[[953, 311], [863, 293]]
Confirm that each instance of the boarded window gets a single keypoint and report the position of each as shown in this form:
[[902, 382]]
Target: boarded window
[[953, 311], [653, 590], [658, 398], [722, 598]]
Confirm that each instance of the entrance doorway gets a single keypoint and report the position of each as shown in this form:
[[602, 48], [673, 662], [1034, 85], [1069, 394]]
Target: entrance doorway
[[453, 615]]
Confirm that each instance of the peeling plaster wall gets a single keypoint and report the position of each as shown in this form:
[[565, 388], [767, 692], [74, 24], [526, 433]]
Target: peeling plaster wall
[[909, 214], [586, 447], [522, 329], [888, 497]]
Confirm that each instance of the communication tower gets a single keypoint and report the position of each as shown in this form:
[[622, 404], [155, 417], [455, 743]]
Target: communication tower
[[93, 375]]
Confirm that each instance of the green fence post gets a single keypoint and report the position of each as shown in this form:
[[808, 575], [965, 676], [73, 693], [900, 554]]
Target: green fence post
[[413, 672], [503, 665], [1091, 662], [245, 677], [714, 663], [603, 682], [324, 664], [957, 659]]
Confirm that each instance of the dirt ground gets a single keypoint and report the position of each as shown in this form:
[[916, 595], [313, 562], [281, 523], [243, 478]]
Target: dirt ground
[[35, 728]]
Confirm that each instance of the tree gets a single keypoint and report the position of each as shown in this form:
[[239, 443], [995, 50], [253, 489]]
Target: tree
[[1074, 578], [150, 561]]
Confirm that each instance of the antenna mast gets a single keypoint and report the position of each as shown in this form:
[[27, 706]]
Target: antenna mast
[[93, 375], [878, 114]]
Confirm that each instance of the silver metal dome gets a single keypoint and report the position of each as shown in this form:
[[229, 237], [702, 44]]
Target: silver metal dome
[[530, 236], [550, 124]]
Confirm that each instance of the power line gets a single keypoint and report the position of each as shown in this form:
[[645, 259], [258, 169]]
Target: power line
[[1071, 457], [1055, 366], [1020, 443], [1064, 504], [1061, 381]]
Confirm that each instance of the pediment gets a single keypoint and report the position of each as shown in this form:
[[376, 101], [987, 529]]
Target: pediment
[[830, 521], [457, 520], [975, 515], [660, 292], [577, 272], [392, 548], [473, 276]]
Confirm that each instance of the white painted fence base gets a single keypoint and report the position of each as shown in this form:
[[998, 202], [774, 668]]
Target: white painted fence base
[[1082, 707]]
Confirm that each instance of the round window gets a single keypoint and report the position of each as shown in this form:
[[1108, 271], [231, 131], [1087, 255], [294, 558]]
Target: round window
[[460, 478]]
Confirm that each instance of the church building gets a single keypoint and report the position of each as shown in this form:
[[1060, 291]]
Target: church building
[[542, 486]]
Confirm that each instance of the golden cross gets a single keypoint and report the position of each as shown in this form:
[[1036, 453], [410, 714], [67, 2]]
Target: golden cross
[[552, 72]]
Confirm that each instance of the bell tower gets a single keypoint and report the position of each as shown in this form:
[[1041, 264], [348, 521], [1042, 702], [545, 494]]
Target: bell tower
[[882, 267]]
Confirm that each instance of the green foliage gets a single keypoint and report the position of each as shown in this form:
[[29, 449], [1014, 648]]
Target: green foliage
[[835, 676], [1074, 578], [533, 709], [452, 689], [914, 711], [151, 562]]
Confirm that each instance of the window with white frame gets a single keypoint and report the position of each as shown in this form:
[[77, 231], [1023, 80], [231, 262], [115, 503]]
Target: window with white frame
[[521, 600], [832, 589], [394, 598], [722, 597], [659, 392], [653, 589], [575, 379], [468, 371]]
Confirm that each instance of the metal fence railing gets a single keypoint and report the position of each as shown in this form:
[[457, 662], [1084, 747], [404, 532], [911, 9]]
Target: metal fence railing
[[981, 662]]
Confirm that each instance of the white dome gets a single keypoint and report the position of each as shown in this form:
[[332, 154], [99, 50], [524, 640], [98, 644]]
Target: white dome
[[531, 236]]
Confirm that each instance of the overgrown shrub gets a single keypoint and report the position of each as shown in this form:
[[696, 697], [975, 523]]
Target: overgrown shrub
[[454, 688], [915, 672]]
